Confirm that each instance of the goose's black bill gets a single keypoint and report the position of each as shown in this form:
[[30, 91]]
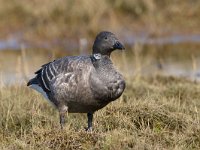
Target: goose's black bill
[[118, 45]]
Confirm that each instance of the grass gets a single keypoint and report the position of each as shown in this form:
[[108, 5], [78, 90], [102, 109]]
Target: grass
[[153, 113]]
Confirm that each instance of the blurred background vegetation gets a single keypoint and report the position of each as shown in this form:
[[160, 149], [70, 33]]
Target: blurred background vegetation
[[154, 32], [64, 18], [160, 107]]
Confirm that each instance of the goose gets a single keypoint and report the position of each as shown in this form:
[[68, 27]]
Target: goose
[[82, 84]]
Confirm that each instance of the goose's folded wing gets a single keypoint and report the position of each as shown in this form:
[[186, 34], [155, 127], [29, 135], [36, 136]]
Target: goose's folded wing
[[73, 78], [64, 70]]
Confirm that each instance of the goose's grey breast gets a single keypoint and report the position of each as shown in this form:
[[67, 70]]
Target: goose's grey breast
[[106, 83], [107, 90]]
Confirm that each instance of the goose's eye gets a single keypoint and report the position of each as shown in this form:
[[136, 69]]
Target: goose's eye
[[106, 38]]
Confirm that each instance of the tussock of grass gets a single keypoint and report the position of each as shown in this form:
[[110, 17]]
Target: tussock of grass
[[153, 113]]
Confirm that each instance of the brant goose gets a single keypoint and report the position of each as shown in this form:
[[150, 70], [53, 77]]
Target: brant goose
[[82, 84]]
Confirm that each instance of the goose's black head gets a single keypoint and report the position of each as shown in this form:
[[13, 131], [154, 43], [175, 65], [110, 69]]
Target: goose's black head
[[105, 43]]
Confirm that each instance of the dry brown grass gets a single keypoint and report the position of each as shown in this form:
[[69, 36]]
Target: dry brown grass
[[153, 113]]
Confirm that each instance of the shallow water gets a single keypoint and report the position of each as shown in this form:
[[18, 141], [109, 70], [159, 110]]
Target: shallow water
[[15, 41], [169, 39], [174, 55]]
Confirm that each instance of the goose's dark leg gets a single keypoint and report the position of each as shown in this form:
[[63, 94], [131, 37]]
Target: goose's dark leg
[[62, 120], [90, 118], [62, 112]]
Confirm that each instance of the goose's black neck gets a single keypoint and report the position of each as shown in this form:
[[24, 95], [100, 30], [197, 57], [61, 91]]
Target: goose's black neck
[[99, 61]]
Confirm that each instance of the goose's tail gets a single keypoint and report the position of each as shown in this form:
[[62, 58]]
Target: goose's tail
[[32, 81]]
